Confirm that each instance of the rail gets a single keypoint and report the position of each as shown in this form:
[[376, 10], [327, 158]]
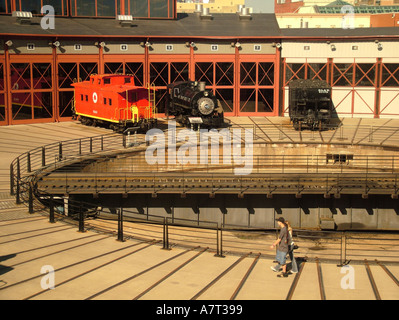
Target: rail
[[71, 156]]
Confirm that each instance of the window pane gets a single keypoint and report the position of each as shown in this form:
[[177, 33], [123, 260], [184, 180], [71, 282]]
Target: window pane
[[178, 71], [57, 5], [85, 8], [294, 71], [365, 74], [160, 100], [248, 73], [42, 76], [86, 69], [136, 69], [224, 73], [247, 100], [158, 8], [113, 67], [33, 6], [204, 72], [343, 74], [2, 108], [226, 98], [1, 76], [106, 8], [20, 76], [21, 106], [67, 74], [266, 73], [317, 71], [65, 103], [390, 75], [265, 100], [139, 8], [159, 73], [42, 105]]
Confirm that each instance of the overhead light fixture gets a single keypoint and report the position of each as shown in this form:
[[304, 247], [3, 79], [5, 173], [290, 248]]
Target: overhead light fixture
[[146, 44], [236, 44], [379, 46], [333, 47], [9, 43], [23, 17], [100, 44], [56, 44], [191, 44]]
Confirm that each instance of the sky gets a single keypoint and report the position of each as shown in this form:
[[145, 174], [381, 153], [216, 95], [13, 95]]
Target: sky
[[264, 6]]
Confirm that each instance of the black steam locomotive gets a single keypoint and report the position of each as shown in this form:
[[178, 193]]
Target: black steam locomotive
[[310, 104], [193, 105]]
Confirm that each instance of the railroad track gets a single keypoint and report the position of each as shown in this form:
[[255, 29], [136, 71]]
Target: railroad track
[[177, 182]]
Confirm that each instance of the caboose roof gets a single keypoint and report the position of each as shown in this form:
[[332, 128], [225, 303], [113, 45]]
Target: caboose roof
[[118, 88]]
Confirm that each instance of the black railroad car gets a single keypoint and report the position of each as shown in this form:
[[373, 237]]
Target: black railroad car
[[193, 105], [310, 104]]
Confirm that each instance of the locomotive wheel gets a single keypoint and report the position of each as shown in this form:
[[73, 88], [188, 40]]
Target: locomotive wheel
[[298, 125]]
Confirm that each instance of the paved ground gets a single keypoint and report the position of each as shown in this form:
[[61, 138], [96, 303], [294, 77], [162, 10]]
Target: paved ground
[[94, 265]]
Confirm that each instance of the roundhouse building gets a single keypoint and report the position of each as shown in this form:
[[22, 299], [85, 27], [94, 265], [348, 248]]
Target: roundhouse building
[[247, 60]]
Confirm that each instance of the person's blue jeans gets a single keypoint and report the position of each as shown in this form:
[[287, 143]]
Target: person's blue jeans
[[281, 259], [294, 266]]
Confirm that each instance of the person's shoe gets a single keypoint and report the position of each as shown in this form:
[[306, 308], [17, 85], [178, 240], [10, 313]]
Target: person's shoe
[[293, 272], [274, 269], [283, 275]]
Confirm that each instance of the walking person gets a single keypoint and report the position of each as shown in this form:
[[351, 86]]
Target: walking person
[[294, 266], [282, 244]]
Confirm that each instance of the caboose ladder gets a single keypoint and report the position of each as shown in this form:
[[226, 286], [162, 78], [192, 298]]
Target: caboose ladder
[[151, 99]]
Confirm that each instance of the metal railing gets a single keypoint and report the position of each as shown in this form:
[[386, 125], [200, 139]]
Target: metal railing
[[338, 247]]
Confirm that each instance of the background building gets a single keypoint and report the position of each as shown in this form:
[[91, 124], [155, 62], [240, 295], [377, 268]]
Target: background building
[[219, 6], [330, 7]]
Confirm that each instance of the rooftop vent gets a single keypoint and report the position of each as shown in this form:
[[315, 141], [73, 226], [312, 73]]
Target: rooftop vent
[[205, 15], [125, 20], [23, 17], [198, 8], [240, 7], [245, 14]]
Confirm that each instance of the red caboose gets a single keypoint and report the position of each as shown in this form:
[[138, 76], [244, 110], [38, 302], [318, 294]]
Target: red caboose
[[115, 101]]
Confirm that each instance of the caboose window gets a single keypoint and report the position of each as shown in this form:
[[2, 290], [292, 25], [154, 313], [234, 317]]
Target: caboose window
[[87, 97], [107, 80], [127, 80], [105, 100], [81, 97], [110, 102]]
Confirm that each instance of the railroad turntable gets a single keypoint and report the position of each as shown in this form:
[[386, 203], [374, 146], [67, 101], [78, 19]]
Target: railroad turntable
[[235, 177]]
